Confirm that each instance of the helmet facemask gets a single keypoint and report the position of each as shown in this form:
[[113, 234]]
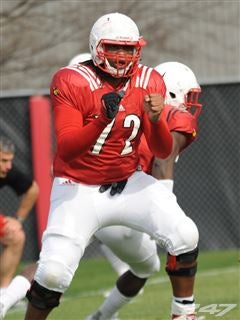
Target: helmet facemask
[[188, 101], [121, 63], [192, 103]]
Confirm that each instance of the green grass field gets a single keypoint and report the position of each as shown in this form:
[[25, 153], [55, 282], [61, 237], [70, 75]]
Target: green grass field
[[217, 291]]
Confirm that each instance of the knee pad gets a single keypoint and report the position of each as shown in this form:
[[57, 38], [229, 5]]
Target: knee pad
[[173, 268], [53, 275], [42, 298], [184, 238], [146, 268]]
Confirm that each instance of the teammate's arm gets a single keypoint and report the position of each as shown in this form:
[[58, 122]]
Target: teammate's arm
[[164, 168]]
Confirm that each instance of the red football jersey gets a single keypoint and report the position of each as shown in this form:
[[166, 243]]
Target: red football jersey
[[91, 149], [177, 120]]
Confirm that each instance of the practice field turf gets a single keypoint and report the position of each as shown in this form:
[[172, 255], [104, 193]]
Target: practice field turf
[[217, 291]]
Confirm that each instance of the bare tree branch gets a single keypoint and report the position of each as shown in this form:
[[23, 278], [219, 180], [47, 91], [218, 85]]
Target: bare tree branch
[[39, 36]]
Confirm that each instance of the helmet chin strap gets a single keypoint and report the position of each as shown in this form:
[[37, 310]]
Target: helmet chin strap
[[115, 72]]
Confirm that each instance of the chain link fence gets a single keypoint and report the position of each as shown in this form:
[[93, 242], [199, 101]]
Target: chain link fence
[[206, 175]]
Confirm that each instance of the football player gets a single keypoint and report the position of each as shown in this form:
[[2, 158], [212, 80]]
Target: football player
[[101, 109], [181, 111]]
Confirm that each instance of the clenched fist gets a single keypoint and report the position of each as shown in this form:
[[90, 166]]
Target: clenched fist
[[153, 106]]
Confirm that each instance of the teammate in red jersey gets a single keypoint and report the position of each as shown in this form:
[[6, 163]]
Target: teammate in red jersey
[[101, 108], [181, 112]]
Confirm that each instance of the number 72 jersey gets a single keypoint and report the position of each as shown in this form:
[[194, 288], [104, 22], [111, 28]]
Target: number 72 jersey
[[76, 97]]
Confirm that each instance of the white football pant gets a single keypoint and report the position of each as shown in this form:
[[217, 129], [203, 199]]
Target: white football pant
[[78, 211]]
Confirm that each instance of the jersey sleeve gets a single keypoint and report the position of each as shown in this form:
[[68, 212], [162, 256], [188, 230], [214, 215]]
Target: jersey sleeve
[[184, 122], [70, 107], [157, 135], [145, 155], [156, 84], [66, 89]]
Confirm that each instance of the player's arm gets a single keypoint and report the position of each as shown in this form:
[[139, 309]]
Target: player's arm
[[183, 126], [164, 168], [158, 137], [156, 130], [27, 201], [73, 138]]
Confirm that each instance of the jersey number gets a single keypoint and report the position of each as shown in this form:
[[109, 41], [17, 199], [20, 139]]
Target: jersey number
[[128, 121]]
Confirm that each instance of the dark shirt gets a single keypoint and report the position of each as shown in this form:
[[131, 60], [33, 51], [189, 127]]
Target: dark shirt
[[17, 180]]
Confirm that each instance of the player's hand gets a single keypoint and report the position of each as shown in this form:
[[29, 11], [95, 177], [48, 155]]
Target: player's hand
[[110, 104], [153, 106], [116, 187]]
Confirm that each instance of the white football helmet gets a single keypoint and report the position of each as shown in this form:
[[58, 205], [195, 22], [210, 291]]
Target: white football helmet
[[80, 58], [182, 86], [115, 29]]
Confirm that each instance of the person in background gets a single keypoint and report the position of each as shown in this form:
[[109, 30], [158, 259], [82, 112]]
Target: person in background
[[12, 236]]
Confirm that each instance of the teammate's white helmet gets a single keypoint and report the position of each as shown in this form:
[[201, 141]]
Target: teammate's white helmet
[[115, 29], [80, 58], [182, 86]]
